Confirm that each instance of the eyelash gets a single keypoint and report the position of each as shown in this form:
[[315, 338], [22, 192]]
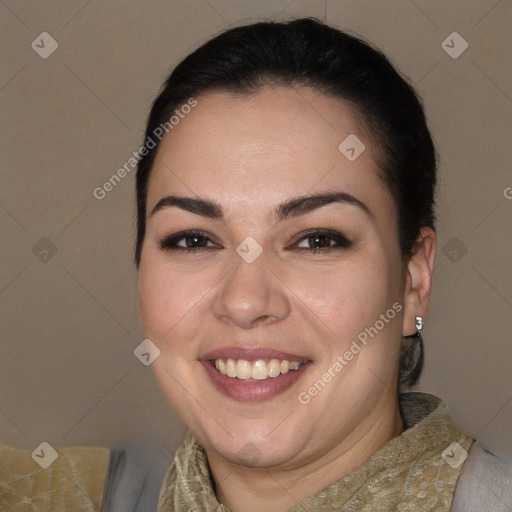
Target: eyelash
[[169, 243]]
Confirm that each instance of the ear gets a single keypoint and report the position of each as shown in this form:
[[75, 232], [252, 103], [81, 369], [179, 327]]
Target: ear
[[419, 280]]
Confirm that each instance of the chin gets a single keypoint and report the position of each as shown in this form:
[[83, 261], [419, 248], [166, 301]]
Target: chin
[[243, 445]]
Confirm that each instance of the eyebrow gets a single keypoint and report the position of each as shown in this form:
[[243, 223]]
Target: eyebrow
[[292, 207]]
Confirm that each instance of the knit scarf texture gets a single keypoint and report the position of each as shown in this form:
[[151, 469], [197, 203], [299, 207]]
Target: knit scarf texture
[[416, 471]]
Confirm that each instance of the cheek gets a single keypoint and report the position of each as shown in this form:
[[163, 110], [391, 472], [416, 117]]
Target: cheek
[[349, 297], [168, 300]]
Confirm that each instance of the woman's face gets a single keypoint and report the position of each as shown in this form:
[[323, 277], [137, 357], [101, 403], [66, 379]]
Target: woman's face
[[251, 288]]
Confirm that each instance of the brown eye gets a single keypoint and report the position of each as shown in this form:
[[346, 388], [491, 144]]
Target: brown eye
[[194, 241], [186, 241], [318, 241], [323, 241]]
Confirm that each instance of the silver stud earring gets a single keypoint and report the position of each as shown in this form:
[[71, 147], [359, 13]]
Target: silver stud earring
[[419, 323], [415, 354]]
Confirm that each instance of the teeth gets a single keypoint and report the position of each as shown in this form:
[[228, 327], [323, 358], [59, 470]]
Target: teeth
[[255, 370], [259, 370], [243, 369], [221, 366], [231, 368], [274, 368]]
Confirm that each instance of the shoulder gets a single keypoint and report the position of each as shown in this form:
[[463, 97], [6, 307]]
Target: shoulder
[[134, 479], [485, 483]]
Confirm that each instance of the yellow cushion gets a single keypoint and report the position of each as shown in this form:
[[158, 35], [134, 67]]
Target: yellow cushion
[[74, 481]]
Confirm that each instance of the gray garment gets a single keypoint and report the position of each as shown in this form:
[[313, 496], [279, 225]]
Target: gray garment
[[135, 477], [485, 483]]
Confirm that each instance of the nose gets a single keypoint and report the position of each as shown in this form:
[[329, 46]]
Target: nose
[[251, 294]]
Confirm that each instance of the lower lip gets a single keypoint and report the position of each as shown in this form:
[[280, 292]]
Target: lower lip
[[253, 391]]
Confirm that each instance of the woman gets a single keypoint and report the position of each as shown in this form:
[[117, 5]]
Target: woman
[[285, 247]]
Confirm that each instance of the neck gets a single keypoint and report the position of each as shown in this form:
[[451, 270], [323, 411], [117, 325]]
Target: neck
[[271, 489]]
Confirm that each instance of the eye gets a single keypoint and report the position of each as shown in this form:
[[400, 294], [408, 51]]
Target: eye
[[322, 240], [314, 241], [190, 241]]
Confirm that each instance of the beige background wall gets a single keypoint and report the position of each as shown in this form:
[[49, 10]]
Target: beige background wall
[[69, 320]]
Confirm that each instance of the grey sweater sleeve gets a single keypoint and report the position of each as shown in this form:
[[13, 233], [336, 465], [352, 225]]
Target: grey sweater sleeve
[[134, 479], [485, 483]]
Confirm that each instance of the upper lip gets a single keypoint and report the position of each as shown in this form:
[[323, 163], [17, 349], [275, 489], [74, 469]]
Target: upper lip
[[251, 354]]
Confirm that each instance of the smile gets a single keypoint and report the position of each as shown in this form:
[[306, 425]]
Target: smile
[[253, 375], [258, 370]]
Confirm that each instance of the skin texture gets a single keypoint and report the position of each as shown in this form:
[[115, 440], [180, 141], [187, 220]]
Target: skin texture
[[250, 153]]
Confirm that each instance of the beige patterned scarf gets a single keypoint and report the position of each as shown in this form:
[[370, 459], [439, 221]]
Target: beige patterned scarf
[[416, 471]]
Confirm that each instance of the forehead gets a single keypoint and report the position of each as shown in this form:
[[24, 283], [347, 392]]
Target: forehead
[[275, 143]]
